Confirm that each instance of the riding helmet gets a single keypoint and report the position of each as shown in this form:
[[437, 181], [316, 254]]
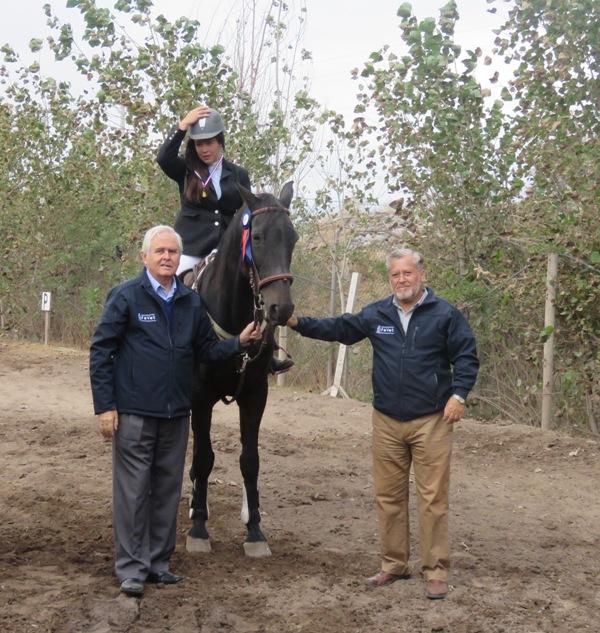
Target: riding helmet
[[207, 127]]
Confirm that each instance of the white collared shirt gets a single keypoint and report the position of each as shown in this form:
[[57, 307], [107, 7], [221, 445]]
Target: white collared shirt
[[216, 177], [160, 290], [405, 316]]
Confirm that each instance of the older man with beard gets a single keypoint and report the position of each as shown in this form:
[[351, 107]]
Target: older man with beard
[[424, 365]]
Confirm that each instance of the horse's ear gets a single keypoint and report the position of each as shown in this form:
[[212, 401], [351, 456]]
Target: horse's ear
[[287, 192], [249, 198]]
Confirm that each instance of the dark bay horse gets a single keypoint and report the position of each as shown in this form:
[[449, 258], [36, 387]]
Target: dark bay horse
[[249, 279]]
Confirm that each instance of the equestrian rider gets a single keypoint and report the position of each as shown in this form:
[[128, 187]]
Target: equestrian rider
[[208, 188]]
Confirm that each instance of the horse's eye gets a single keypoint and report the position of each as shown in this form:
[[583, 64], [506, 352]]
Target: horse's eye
[[256, 237]]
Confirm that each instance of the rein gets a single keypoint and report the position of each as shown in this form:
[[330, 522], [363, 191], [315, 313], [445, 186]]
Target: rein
[[244, 357]]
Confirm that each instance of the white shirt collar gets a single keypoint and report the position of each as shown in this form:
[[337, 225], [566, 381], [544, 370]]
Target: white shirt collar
[[216, 172], [160, 290]]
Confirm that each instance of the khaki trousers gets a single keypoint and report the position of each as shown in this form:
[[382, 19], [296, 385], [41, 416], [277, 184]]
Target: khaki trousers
[[427, 442]]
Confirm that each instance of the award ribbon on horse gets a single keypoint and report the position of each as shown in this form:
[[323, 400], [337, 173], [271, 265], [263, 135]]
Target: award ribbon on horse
[[247, 238]]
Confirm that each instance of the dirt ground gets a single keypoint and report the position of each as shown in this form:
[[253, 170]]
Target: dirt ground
[[525, 523]]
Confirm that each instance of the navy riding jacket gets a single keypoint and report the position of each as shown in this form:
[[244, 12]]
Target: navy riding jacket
[[141, 361], [415, 373]]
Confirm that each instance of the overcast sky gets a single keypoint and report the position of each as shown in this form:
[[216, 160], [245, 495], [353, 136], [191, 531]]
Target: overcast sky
[[340, 34]]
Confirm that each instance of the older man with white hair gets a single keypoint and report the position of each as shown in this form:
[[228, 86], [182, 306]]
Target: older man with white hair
[[151, 333], [424, 365]]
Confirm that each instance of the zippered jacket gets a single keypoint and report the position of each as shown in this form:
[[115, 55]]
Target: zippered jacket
[[143, 363], [415, 373]]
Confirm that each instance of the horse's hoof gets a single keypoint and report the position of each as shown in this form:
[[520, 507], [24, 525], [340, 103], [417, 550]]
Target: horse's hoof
[[197, 545], [257, 549]]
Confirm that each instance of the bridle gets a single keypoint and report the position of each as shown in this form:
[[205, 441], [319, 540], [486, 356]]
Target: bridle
[[256, 283]]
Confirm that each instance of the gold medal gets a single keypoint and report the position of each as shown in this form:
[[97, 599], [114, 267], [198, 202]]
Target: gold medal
[[211, 169]]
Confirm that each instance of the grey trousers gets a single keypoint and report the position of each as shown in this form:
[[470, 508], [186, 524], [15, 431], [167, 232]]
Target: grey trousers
[[148, 462]]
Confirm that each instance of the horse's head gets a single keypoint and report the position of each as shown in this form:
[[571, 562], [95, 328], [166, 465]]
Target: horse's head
[[273, 238]]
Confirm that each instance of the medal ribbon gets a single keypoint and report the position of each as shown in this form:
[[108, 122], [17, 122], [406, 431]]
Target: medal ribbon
[[206, 182]]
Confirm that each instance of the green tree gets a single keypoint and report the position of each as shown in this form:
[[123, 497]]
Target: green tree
[[439, 145], [554, 47], [81, 184], [490, 189]]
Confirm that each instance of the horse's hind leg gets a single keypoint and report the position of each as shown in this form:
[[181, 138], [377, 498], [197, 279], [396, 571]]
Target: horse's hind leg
[[251, 413], [198, 539]]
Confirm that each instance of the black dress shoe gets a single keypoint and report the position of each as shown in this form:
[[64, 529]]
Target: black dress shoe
[[132, 587], [164, 578]]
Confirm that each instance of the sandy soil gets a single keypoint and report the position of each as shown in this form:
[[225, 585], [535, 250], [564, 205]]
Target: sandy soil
[[525, 524]]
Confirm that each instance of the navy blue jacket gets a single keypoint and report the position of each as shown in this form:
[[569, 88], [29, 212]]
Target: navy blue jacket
[[140, 363], [413, 374]]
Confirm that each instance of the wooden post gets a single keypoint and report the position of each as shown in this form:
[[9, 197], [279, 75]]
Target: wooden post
[[46, 327], [281, 354], [589, 405], [336, 387], [549, 321], [331, 356]]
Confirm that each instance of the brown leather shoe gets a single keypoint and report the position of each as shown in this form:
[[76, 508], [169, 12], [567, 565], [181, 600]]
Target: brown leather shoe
[[436, 589], [382, 578]]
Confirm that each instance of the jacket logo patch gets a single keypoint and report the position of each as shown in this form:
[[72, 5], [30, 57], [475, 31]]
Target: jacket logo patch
[[147, 318], [385, 329]]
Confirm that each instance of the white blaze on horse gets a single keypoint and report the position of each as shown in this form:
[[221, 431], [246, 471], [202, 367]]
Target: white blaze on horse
[[249, 278]]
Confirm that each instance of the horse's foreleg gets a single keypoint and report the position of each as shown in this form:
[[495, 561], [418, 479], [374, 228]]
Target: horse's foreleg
[[250, 416], [198, 539]]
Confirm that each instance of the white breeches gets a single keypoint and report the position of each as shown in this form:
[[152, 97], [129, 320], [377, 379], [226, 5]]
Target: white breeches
[[187, 262]]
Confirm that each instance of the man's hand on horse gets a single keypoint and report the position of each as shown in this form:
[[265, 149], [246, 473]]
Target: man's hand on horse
[[250, 333], [292, 321], [109, 422]]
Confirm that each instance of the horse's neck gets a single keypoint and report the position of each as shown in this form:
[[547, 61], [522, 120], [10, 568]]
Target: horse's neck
[[227, 295]]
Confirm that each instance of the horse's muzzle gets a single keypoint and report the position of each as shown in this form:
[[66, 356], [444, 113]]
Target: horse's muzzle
[[279, 313]]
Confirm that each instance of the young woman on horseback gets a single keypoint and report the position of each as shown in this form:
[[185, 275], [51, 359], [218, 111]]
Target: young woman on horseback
[[207, 185], [207, 182]]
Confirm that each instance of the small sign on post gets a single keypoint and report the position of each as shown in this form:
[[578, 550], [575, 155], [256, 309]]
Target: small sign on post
[[46, 301], [46, 306]]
